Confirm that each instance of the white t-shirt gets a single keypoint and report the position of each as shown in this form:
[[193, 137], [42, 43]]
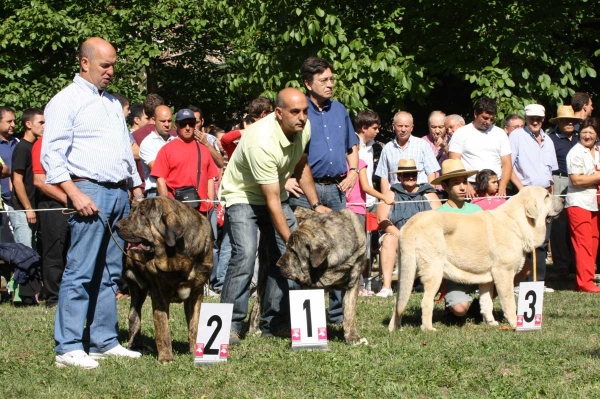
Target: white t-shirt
[[148, 150], [581, 162], [480, 150]]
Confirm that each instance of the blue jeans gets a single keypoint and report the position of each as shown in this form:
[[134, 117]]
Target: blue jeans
[[22, 230], [333, 198], [244, 221], [94, 264], [223, 260]]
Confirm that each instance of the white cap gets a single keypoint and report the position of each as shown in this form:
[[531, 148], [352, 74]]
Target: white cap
[[535, 110]]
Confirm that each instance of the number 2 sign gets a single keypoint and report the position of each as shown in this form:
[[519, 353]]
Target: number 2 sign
[[212, 342], [531, 302], [307, 314]]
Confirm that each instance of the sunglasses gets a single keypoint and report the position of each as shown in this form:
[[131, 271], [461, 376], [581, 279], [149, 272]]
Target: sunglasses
[[188, 123], [409, 175]]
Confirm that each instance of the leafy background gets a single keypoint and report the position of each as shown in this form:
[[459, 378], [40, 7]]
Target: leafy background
[[388, 55]]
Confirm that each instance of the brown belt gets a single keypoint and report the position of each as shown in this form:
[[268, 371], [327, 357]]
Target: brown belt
[[101, 183]]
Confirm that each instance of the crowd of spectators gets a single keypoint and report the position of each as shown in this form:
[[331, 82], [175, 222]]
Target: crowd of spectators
[[456, 167]]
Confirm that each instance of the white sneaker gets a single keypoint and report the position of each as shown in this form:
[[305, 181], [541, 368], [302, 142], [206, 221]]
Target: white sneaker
[[548, 289], [385, 293], [76, 358], [117, 351]]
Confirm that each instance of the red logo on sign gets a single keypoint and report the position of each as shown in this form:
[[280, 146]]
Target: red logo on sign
[[520, 321], [538, 319], [322, 331], [199, 350], [296, 334], [224, 351]]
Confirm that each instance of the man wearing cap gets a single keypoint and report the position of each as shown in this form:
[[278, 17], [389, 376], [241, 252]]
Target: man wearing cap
[[481, 145], [405, 146], [176, 163], [453, 179], [564, 138], [152, 144], [391, 218], [533, 160]]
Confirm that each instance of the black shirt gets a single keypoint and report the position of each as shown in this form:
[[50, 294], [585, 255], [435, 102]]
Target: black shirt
[[21, 160]]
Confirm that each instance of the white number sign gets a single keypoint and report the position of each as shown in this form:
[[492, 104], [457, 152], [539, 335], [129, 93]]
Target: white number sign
[[531, 303], [307, 313], [212, 343]]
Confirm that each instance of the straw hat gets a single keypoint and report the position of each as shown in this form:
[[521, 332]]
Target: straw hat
[[565, 112], [452, 168], [407, 166]]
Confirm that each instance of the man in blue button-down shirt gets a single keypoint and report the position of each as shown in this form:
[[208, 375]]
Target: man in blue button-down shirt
[[87, 152], [332, 151]]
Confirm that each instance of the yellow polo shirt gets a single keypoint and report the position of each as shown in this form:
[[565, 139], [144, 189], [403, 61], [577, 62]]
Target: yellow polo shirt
[[264, 155]]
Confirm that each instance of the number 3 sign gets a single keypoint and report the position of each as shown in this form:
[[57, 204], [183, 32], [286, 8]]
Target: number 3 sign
[[212, 342], [531, 302], [307, 313]]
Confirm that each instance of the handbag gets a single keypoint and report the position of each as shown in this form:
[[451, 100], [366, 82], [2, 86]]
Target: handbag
[[190, 193]]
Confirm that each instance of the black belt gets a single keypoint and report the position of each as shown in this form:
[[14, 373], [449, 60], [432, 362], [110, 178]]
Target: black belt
[[560, 174], [150, 190], [101, 183], [329, 179]]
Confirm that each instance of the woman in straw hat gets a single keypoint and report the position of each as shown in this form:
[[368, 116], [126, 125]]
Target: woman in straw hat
[[410, 199]]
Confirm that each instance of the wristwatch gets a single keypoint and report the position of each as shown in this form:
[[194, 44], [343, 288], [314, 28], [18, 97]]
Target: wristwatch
[[315, 206], [354, 169]]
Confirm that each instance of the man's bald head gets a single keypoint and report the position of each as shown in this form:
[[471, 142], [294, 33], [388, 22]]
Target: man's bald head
[[291, 110], [162, 120], [97, 58]]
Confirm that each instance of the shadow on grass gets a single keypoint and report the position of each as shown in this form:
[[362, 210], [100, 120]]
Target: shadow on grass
[[149, 344]]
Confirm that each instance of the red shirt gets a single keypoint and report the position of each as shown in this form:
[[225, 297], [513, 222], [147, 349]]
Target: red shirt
[[229, 141], [36, 160], [177, 163]]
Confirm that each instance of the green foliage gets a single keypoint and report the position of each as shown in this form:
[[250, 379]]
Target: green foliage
[[388, 55]]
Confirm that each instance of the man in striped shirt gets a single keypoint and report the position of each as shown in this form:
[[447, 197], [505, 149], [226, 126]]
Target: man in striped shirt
[[87, 152]]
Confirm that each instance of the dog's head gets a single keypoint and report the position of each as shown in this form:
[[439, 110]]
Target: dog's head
[[540, 205], [152, 225]]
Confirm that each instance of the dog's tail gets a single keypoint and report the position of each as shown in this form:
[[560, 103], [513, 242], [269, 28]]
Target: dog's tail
[[407, 269]]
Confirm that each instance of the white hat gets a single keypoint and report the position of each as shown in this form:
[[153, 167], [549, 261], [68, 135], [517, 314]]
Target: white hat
[[535, 110]]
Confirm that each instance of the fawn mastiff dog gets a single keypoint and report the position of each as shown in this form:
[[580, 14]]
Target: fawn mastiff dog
[[169, 257], [486, 248]]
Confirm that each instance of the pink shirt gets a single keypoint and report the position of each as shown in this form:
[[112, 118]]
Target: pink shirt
[[488, 203], [357, 195]]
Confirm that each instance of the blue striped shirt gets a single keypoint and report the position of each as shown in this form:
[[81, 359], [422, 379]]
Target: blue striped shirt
[[416, 149], [85, 135]]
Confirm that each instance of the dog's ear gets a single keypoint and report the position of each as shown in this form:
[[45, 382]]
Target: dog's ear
[[318, 254], [173, 228], [531, 209]]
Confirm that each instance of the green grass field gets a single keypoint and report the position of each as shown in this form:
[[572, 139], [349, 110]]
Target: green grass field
[[470, 361]]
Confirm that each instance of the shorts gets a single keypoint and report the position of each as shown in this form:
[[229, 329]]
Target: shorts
[[457, 293]]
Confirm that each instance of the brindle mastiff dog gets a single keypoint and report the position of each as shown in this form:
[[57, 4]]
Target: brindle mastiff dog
[[327, 251], [170, 258]]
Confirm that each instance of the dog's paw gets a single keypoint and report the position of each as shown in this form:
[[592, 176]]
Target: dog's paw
[[362, 341], [425, 328], [493, 323]]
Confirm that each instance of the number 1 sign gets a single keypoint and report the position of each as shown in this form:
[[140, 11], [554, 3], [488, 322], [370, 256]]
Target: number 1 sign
[[307, 313], [531, 302], [212, 342]]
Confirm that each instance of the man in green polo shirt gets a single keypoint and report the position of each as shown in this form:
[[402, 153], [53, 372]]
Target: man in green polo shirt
[[255, 198]]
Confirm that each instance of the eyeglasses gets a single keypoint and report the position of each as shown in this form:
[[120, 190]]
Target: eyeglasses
[[409, 175], [184, 123], [325, 80]]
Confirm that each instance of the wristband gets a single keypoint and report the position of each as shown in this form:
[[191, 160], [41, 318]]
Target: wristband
[[315, 206]]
